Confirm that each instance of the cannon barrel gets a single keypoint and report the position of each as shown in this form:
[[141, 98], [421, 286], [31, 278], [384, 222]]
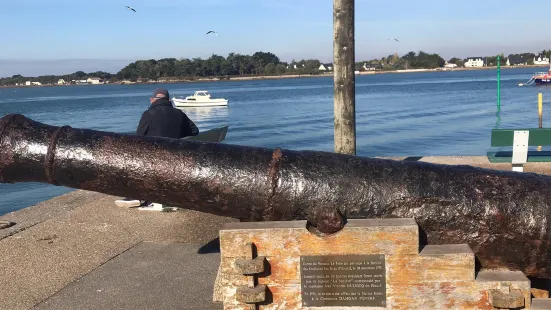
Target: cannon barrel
[[504, 216]]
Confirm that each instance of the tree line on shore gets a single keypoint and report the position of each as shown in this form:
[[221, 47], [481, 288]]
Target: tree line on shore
[[258, 64]]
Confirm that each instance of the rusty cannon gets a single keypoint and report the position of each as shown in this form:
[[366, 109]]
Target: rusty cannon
[[504, 216]]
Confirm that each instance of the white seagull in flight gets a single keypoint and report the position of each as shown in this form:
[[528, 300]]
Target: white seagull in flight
[[394, 39], [130, 8], [213, 32]]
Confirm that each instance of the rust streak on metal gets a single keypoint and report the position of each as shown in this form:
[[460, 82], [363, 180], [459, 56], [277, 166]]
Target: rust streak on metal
[[4, 123], [273, 179], [50, 155]]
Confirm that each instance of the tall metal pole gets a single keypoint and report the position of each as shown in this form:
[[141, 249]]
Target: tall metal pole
[[498, 83], [540, 114], [540, 110], [344, 96], [498, 113]]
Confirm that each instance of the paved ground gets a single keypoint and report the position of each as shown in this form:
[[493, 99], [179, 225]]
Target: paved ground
[[80, 251], [58, 242], [149, 276]]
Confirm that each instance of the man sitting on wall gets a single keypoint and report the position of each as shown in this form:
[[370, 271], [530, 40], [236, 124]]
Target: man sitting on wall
[[161, 119]]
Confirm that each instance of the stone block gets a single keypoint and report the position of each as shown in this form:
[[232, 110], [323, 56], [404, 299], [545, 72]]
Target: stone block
[[448, 263], [250, 266], [541, 304], [251, 295], [509, 283], [503, 278], [507, 299], [218, 294], [539, 293]]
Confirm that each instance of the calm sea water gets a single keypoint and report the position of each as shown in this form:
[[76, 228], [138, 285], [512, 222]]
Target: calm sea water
[[444, 113]]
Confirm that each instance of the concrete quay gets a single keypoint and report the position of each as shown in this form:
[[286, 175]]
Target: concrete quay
[[81, 251]]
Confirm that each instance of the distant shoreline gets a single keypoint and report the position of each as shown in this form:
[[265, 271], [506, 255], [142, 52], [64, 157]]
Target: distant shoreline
[[285, 76]]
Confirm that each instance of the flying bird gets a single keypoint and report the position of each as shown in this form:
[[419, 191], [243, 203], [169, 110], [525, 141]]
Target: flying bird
[[213, 32], [130, 8], [394, 39]]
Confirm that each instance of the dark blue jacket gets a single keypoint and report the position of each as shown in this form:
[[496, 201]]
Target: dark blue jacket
[[163, 120]]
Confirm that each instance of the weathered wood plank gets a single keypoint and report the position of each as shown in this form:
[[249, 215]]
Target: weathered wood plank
[[344, 77], [467, 295], [285, 270], [299, 241], [437, 277]]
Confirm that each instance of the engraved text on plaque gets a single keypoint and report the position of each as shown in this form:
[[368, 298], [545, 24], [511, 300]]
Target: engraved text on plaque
[[343, 280]]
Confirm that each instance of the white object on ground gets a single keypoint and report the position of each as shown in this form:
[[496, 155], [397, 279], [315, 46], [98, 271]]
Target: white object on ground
[[128, 203], [155, 207]]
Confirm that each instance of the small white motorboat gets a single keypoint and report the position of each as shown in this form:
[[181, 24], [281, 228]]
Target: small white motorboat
[[200, 98]]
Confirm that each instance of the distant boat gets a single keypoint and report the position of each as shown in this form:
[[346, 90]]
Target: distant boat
[[539, 78], [200, 98]]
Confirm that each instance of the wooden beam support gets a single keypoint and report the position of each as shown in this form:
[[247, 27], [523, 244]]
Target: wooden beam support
[[344, 77]]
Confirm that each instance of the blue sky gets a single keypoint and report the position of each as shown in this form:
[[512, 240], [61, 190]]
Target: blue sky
[[40, 36]]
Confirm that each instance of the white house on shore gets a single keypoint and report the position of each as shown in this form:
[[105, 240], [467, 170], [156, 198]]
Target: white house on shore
[[474, 62], [541, 60], [326, 67], [94, 80], [516, 60], [61, 82], [295, 66], [369, 67], [449, 65]]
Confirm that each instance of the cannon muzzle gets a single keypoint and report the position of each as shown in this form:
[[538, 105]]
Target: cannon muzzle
[[504, 216]]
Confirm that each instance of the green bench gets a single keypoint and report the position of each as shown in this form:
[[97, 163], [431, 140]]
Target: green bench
[[520, 140]]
